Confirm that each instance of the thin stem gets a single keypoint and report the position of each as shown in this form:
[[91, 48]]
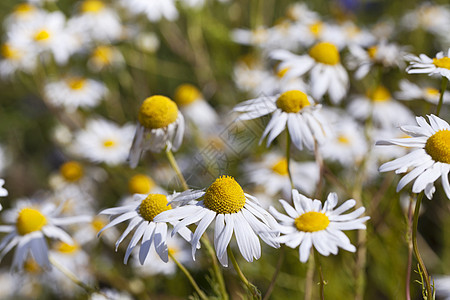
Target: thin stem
[[410, 249], [174, 165], [416, 248], [319, 161], [288, 158], [441, 97], [309, 280], [275, 274], [71, 276], [319, 270], [216, 268], [253, 289], [189, 277]]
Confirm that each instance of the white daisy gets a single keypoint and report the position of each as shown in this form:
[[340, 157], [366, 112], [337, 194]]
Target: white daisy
[[250, 77], [74, 92], [3, 191], [309, 223], [155, 10], [104, 141], [160, 126], [426, 65], [327, 75], [257, 37], [292, 110], [301, 13], [434, 18], [429, 161], [233, 211], [15, 58], [411, 91], [30, 225], [142, 215], [104, 57]]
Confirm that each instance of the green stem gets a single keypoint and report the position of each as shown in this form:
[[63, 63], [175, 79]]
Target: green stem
[[72, 276], [441, 97], [174, 165], [319, 270], [275, 274], [423, 269], [288, 158], [216, 267], [410, 249], [253, 289], [309, 280], [189, 277]]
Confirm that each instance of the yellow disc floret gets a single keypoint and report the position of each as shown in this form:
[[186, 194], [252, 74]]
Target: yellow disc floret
[[152, 206], [76, 83], [157, 112], [281, 167], [342, 139], [140, 184], [24, 8], [98, 222], [103, 55], [442, 62], [224, 196], [312, 221], [29, 220], [71, 171], [380, 94], [372, 51], [67, 248], [316, 28], [9, 52], [438, 146], [31, 266], [185, 94], [325, 53], [109, 143], [92, 6], [42, 35], [431, 92], [292, 101]]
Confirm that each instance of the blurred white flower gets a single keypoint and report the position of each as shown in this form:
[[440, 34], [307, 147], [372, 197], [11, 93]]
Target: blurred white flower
[[411, 91], [155, 10]]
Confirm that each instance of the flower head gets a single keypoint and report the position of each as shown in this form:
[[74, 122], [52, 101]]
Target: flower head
[[426, 65]]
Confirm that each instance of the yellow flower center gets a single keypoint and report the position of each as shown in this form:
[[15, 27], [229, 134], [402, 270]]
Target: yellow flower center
[[281, 167], [9, 52], [282, 72], [292, 101], [71, 171], [109, 143], [432, 92], [152, 206], [173, 250], [312, 221], [224, 196], [157, 112], [29, 220], [316, 28], [325, 53], [342, 139], [372, 51], [66, 248], [31, 266], [24, 8], [442, 62], [438, 146], [380, 94], [98, 223], [92, 6], [140, 184], [76, 83], [42, 35], [186, 94], [103, 55]]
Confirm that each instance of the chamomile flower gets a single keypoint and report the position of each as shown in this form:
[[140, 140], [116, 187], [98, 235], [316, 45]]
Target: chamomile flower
[[3, 191], [104, 141], [250, 76], [29, 227], [233, 211], [142, 215], [429, 161], [105, 57], [14, 59], [310, 224], [327, 75], [426, 65], [411, 91], [292, 110], [73, 92], [160, 126], [431, 17], [155, 10]]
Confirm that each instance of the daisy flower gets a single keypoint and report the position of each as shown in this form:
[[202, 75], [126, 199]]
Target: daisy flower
[[426, 65], [160, 126], [251, 76], [29, 227], [432, 17], [16, 58], [233, 211], [411, 91], [155, 10], [327, 75], [105, 56], [74, 92], [104, 141], [429, 161], [292, 110], [3, 191], [142, 215], [309, 223]]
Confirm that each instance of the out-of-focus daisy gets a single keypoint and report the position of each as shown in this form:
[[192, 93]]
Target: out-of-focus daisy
[[105, 56], [384, 110], [426, 65], [272, 174], [160, 126], [73, 92], [309, 223], [292, 110], [15, 58], [155, 10], [257, 37], [109, 294], [442, 286], [23, 13], [233, 211], [141, 184], [434, 18], [86, 234], [429, 161], [249, 76], [104, 141], [411, 91], [301, 13], [384, 54], [191, 103], [193, 3], [3, 191], [147, 42], [29, 226], [327, 75]]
